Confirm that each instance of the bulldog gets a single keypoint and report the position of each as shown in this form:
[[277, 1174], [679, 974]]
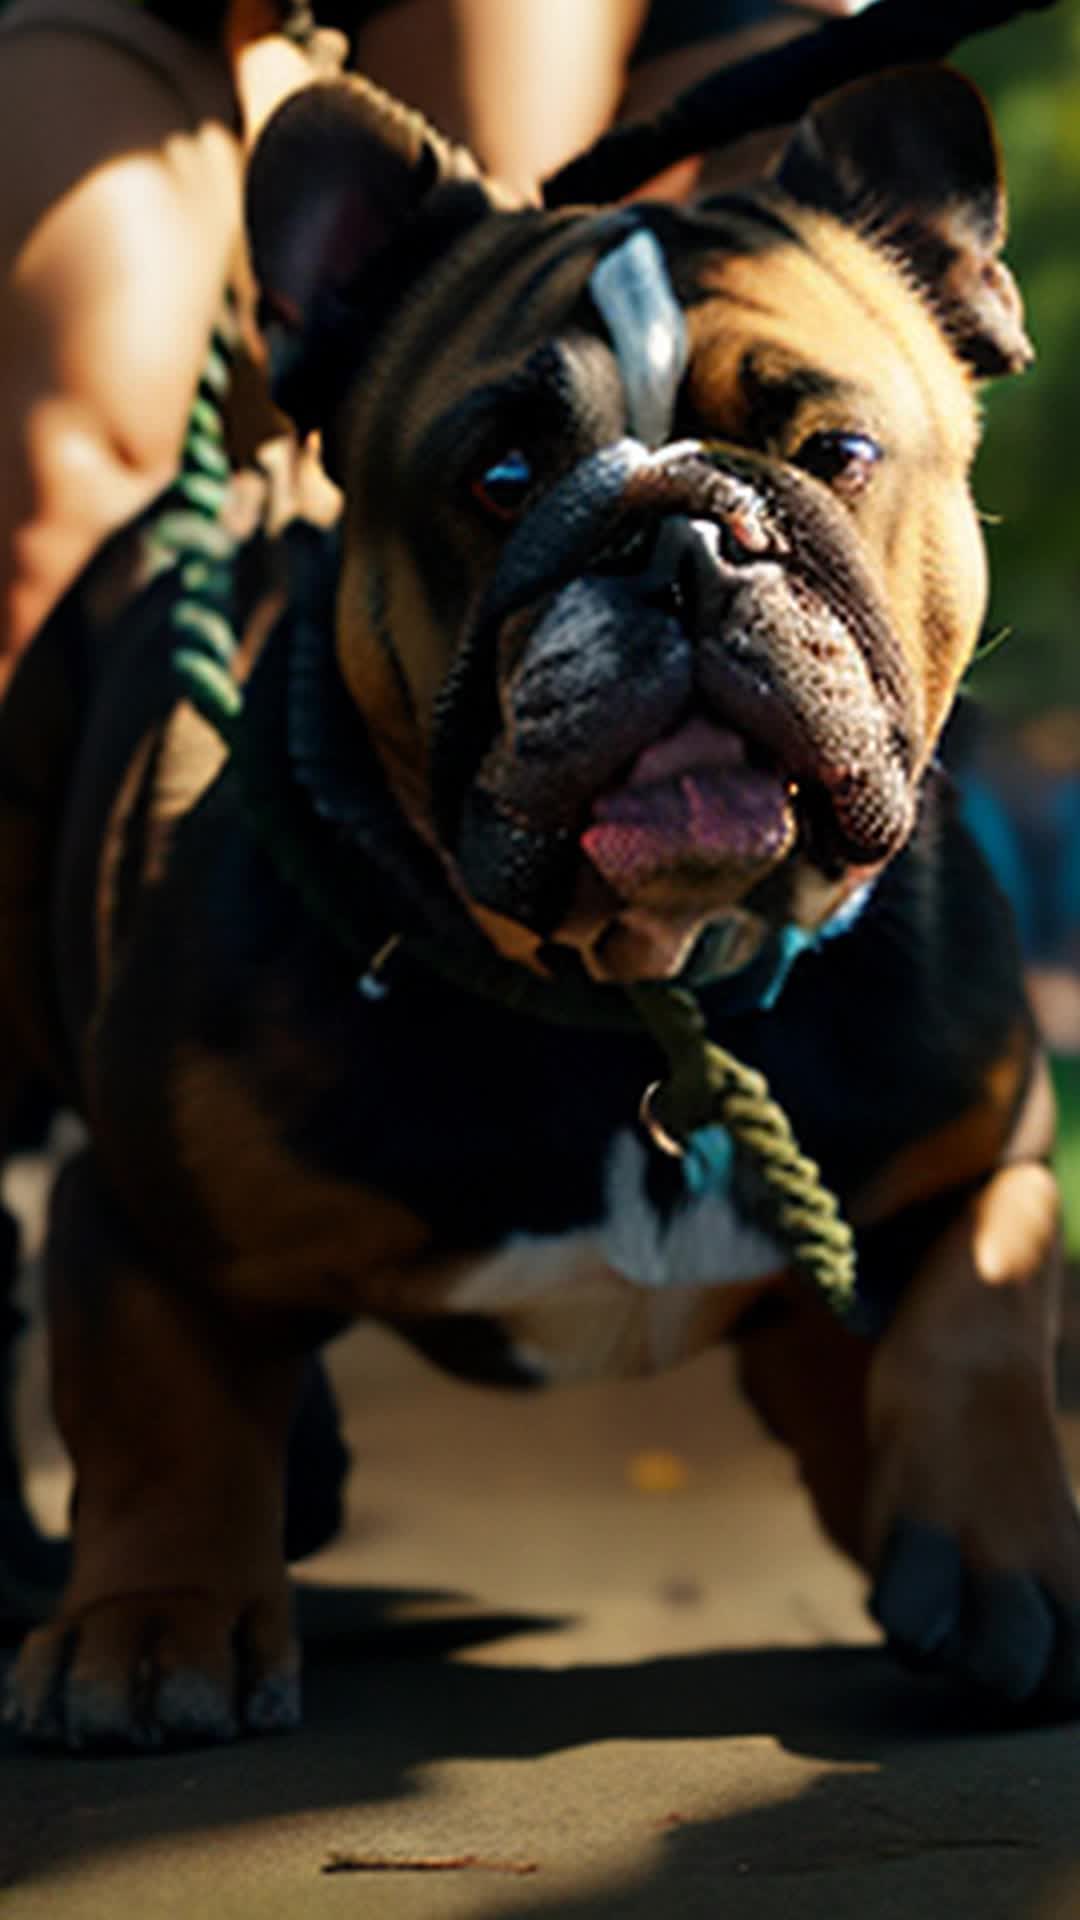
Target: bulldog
[[622, 675]]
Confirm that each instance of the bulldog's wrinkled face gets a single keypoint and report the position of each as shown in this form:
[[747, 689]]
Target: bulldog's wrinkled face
[[658, 581]]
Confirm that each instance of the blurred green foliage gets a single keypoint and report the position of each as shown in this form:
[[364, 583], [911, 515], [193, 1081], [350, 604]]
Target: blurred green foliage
[[1028, 477], [1029, 469], [1067, 1085]]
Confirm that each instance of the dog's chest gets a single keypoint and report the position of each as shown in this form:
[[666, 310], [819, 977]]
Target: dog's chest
[[641, 1288], [518, 1146]]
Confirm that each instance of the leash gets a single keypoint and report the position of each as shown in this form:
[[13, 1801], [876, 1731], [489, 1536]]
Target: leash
[[712, 1103], [711, 1112]]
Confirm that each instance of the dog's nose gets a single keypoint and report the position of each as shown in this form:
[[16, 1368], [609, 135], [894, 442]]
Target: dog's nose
[[693, 566]]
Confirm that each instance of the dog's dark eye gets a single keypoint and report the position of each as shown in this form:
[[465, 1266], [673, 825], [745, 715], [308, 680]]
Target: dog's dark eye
[[845, 461], [502, 489]]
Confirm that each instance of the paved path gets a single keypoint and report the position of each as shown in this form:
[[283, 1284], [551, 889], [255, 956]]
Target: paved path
[[586, 1657]]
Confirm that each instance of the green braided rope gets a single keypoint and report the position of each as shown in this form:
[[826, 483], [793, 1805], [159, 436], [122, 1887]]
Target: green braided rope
[[187, 530], [707, 1085], [202, 623]]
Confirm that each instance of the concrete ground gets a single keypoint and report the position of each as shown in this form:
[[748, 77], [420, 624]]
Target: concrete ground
[[580, 1657]]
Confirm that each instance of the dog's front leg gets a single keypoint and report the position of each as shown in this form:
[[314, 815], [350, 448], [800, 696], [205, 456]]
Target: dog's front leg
[[973, 1532], [175, 1624], [933, 1456]]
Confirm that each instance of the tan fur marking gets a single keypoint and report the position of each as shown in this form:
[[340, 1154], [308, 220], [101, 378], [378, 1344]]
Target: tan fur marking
[[868, 327], [112, 855], [1032, 1137], [425, 378], [293, 1236], [961, 1393], [806, 1376], [191, 756], [1015, 1225], [959, 1152]]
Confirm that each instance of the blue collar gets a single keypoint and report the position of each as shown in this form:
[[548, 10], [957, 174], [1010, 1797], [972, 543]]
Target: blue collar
[[757, 988]]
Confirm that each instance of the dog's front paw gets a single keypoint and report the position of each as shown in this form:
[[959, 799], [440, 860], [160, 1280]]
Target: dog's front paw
[[148, 1669], [974, 1533], [1011, 1633]]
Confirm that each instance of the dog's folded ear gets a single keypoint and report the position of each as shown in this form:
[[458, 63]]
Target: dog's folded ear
[[912, 157], [336, 179]]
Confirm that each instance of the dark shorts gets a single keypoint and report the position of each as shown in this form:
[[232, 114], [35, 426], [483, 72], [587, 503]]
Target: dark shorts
[[672, 24], [205, 19]]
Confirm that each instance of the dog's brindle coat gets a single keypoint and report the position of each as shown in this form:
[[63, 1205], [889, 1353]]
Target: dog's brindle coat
[[609, 709]]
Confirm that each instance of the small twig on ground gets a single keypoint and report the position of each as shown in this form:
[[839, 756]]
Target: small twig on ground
[[424, 1863]]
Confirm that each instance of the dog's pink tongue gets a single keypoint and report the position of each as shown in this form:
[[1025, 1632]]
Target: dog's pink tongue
[[691, 810]]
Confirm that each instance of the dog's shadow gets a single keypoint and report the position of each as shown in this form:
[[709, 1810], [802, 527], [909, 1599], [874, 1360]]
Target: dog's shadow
[[386, 1699]]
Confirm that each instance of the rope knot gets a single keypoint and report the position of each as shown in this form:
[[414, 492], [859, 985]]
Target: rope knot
[[707, 1090]]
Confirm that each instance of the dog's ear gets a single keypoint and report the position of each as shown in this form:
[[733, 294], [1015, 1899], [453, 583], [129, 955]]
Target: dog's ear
[[337, 176], [912, 156]]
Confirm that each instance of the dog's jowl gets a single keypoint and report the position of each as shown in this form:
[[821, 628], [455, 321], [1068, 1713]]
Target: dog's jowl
[[611, 704]]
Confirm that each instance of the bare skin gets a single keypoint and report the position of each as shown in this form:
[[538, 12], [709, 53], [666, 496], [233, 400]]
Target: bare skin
[[106, 301], [118, 233], [484, 73], [527, 85]]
